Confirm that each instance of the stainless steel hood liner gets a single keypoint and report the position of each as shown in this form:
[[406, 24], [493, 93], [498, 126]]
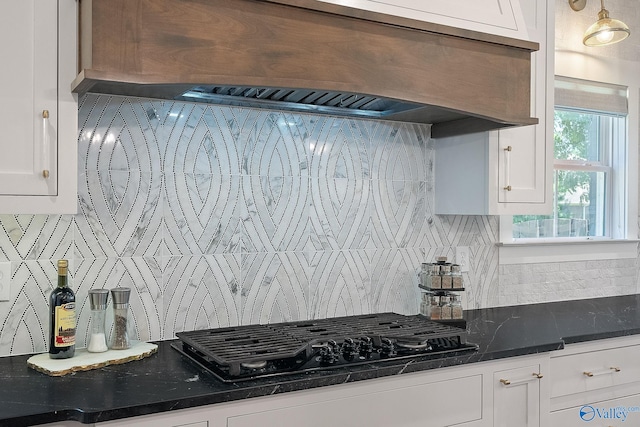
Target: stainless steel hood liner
[[313, 101], [308, 56]]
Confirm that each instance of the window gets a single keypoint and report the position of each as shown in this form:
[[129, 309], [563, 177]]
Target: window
[[589, 175]]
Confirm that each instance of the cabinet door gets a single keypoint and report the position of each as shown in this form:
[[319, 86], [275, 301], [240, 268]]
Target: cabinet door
[[28, 83], [525, 154], [38, 112], [500, 17], [516, 397], [442, 403]]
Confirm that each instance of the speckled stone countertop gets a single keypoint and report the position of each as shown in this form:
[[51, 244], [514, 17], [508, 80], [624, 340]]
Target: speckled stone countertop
[[168, 381]]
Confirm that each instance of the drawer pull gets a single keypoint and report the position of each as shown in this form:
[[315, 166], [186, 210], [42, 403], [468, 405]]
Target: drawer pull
[[534, 376], [611, 370]]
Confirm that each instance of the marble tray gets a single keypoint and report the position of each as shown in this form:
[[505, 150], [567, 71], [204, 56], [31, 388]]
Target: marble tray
[[85, 361]]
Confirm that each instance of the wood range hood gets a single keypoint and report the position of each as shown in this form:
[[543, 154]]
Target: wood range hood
[[305, 55]]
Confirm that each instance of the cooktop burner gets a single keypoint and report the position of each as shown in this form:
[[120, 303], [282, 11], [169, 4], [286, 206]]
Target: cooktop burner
[[253, 351]]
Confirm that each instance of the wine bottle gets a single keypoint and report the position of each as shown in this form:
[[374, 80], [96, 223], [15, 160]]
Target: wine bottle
[[62, 329]]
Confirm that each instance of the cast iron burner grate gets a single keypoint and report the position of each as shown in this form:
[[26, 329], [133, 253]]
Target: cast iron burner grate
[[404, 329], [248, 352], [244, 345]]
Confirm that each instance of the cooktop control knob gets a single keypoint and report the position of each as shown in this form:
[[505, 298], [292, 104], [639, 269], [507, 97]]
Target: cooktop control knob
[[349, 349], [388, 348], [329, 353], [366, 347]]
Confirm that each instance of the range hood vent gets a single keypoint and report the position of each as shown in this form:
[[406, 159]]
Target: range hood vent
[[335, 103], [306, 56]]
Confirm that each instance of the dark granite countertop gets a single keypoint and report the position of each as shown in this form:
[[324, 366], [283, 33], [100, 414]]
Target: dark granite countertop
[[167, 381]]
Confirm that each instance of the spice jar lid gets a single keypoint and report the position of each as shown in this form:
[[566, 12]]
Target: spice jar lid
[[120, 297], [98, 298]]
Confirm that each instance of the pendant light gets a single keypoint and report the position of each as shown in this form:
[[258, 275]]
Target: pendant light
[[605, 30]]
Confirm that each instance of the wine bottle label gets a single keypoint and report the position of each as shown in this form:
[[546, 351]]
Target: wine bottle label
[[65, 326]]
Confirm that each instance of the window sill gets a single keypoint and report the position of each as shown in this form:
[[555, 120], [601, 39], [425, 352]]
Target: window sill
[[565, 250]]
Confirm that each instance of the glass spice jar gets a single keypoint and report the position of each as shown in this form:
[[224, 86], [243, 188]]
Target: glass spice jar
[[456, 307], [435, 309], [445, 276], [425, 304], [431, 276], [456, 277], [120, 337]]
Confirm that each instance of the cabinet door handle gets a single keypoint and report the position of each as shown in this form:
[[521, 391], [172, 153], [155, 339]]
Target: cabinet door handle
[[507, 167], [611, 370], [46, 146], [534, 376]]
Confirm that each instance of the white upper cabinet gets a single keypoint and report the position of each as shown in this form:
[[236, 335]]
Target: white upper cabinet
[[500, 17], [510, 171], [38, 112]]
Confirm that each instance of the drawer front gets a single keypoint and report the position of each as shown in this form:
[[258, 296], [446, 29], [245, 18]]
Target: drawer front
[[582, 372], [618, 412], [441, 403]]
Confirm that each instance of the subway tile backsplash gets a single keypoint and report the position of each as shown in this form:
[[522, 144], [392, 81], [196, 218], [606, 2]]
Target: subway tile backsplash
[[218, 216]]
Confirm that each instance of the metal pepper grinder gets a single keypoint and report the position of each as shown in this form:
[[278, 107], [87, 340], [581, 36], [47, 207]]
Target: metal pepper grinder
[[120, 336]]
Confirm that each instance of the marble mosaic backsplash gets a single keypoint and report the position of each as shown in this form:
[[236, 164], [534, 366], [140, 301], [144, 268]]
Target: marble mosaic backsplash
[[218, 216]]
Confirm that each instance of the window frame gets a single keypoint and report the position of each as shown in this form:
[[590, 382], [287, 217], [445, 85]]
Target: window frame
[[623, 243]]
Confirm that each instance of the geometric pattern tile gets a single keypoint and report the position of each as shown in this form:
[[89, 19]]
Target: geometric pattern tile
[[197, 139], [33, 237], [202, 213], [391, 270], [340, 213], [275, 213], [120, 212], [24, 321], [339, 148], [220, 216], [200, 292], [398, 152], [340, 283], [271, 146], [275, 287], [398, 213]]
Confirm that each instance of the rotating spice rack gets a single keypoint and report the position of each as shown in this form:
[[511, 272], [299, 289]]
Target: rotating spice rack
[[440, 283]]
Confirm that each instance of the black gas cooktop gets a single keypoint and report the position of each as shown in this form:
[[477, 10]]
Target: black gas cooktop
[[255, 351]]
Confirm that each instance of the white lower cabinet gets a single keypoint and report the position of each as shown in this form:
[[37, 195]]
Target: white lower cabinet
[[596, 383], [438, 398], [438, 402], [466, 396]]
